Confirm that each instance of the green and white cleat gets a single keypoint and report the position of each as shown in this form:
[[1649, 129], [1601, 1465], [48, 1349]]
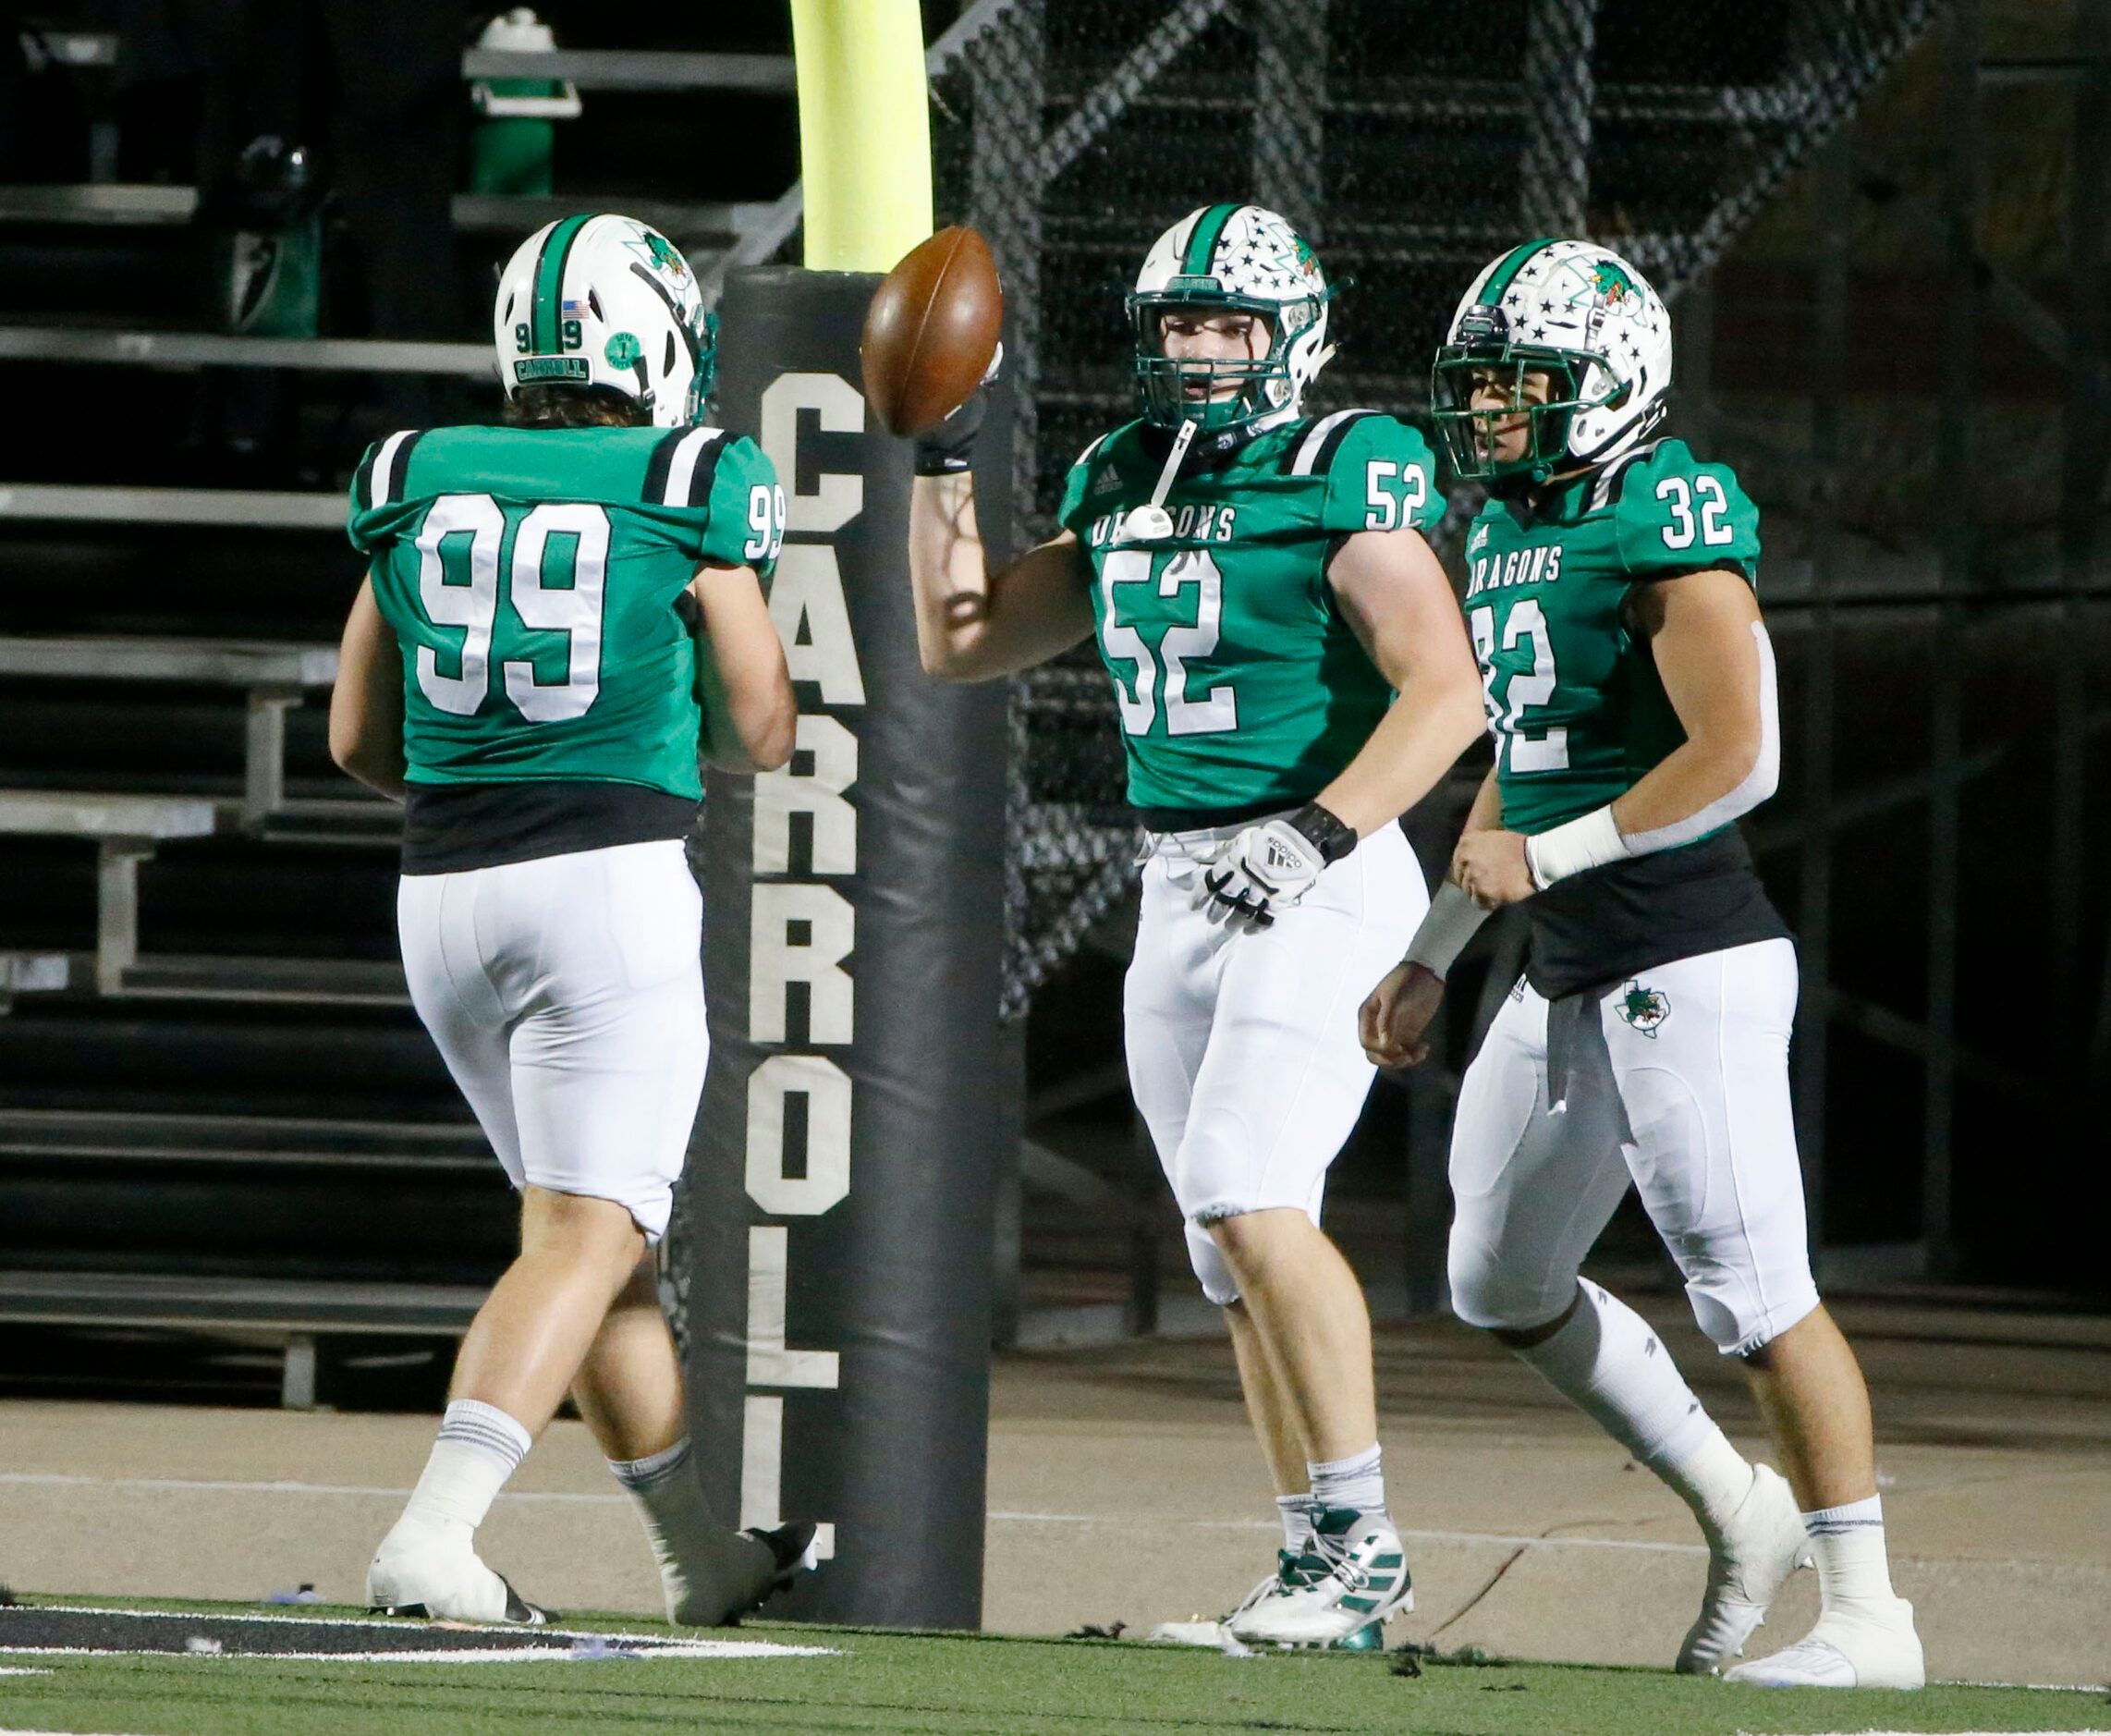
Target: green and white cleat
[[1361, 1579]]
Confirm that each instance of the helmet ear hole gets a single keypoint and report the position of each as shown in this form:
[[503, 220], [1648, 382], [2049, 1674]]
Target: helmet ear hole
[[667, 361]]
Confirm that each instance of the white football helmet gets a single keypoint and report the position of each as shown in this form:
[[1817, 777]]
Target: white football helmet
[[1583, 315], [606, 301], [1243, 258]]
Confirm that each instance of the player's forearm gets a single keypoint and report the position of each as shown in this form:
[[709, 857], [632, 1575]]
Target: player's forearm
[[949, 576], [751, 717], [1432, 722], [1697, 786], [1486, 814], [377, 764]]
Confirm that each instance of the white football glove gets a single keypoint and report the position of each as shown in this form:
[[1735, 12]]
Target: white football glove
[[1269, 867]]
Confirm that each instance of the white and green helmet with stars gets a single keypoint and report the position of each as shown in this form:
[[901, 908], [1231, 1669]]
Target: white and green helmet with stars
[[1587, 318], [1230, 258], [606, 301]]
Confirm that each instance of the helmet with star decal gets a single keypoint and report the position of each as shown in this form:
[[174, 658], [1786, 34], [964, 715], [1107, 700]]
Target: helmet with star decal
[[1229, 258], [1590, 321]]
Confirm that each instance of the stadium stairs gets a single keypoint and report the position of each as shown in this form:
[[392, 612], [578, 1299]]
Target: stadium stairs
[[218, 1113]]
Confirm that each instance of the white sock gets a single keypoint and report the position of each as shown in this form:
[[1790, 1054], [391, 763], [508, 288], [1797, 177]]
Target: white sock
[[670, 1500], [478, 1449], [1849, 1543], [1296, 1512], [1356, 1483], [1607, 1362]]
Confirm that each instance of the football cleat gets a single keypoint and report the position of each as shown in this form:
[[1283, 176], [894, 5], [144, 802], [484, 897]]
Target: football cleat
[[436, 1578], [737, 1573], [1853, 1647], [1291, 1570], [1762, 1543], [1357, 1579]]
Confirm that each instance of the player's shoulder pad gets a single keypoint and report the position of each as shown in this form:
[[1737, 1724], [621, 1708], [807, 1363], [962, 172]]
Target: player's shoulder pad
[[1379, 472], [380, 483], [687, 467], [1674, 513], [1096, 478], [724, 489], [383, 474]]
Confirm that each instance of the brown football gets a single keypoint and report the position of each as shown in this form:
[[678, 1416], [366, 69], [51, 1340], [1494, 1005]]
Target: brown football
[[931, 331]]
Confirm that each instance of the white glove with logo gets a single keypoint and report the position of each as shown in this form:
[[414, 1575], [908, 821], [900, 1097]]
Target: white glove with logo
[[1269, 867]]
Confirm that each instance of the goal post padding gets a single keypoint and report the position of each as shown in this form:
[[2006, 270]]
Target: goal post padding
[[833, 1243]]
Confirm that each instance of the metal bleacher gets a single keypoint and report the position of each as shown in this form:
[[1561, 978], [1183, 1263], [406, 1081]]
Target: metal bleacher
[[217, 1112]]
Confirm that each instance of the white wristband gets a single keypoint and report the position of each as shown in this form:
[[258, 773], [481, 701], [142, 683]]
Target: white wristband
[[1452, 921], [1573, 846]]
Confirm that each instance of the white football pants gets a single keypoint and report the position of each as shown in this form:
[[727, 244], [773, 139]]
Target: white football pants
[[566, 995], [1687, 1097], [1242, 1045]]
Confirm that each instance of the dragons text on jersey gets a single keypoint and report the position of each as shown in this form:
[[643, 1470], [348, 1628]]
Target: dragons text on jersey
[[1242, 687]]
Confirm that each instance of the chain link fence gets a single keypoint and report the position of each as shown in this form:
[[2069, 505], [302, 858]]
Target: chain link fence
[[1411, 141]]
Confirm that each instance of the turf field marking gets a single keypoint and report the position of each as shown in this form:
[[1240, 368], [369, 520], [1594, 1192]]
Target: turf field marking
[[685, 1650], [627, 1645], [25, 1673], [1492, 1538], [53, 1479]]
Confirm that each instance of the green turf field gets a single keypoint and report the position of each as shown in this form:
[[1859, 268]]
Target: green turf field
[[940, 1684]]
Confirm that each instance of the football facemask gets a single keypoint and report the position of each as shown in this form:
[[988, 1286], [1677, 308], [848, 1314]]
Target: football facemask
[[1495, 370]]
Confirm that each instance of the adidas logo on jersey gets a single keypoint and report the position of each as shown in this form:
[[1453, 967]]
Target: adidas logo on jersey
[[1107, 478], [1479, 537]]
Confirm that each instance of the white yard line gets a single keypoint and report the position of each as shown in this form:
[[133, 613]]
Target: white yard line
[[56, 1480], [52, 1479], [1487, 1539], [645, 1645], [503, 1654]]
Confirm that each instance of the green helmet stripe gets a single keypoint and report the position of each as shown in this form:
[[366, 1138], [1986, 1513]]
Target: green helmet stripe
[[1201, 244], [1500, 278], [549, 283]]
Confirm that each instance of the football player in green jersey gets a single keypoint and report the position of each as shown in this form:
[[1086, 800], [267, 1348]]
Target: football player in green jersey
[[1630, 690], [1291, 676], [557, 614]]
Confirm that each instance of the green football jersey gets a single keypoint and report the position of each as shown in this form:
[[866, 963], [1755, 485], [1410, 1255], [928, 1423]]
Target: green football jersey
[[1575, 702], [1241, 686], [530, 577]]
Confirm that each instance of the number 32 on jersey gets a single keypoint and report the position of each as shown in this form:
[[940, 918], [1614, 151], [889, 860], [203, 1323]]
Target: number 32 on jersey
[[1164, 673], [1522, 689]]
